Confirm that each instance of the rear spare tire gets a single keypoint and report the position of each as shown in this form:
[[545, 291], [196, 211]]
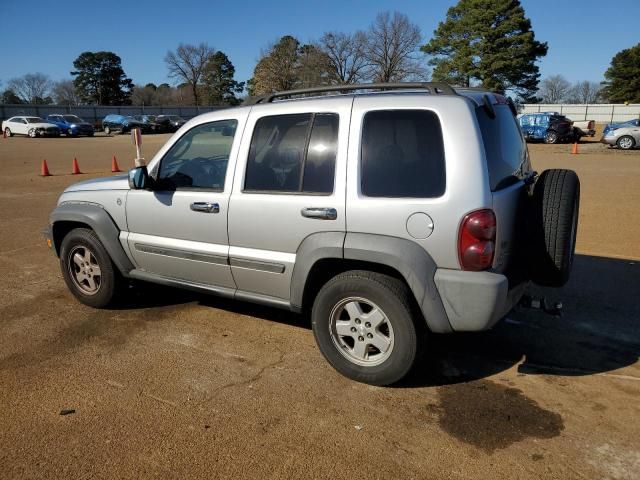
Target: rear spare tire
[[554, 223]]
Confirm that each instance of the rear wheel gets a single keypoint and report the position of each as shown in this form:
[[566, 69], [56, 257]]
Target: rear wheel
[[107, 130], [32, 133], [551, 137], [364, 325], [554, 224], [87, 268], [626, 142]]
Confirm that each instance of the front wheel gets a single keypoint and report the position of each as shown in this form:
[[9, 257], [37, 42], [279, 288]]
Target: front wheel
[[107, 130], [626, 142], [87, 268], [8, 132], [363, 323]]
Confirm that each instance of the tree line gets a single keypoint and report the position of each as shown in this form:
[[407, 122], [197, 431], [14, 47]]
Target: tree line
[[484, 43]]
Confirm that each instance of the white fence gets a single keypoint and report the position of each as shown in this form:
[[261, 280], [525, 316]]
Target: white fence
[[600, 112]]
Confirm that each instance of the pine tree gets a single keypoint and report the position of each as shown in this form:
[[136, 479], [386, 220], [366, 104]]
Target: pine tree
[[623, 77], [488, 43], [100, 79]]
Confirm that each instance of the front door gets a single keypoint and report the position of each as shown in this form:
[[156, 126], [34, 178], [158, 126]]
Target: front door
[[179, 230]]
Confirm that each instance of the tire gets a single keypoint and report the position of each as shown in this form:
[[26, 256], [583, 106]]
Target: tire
[[32, 133], [551, 137], [107, 130], [80, 253], [554, 223], [626, 142], [8, 132], [344, 304]]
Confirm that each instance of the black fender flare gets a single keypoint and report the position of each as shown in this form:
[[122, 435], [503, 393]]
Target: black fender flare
[[405, 256], [99, 220]]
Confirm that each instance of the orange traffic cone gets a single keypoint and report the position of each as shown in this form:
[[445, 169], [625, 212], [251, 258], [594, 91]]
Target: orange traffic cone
[[44, 169], [76, 168], [114, 165], [574, 150]]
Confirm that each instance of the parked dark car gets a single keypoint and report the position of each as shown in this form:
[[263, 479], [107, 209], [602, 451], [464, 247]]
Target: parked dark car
[[150, 121], [71, 125], [549, 127], [613, 126], [123, 124], [170, 123]]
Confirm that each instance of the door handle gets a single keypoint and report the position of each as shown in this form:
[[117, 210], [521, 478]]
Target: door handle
[[320, 213], [205, 207]]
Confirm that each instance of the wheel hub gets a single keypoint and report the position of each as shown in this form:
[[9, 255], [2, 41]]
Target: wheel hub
[[361, 331]]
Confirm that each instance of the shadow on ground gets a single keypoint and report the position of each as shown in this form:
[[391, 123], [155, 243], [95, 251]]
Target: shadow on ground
[[599, 330]]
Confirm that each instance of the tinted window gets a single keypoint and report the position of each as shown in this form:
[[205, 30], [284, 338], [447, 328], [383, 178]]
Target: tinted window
[[320, 165], [505, 149], [199, 158], [402, 154], [293, 153]]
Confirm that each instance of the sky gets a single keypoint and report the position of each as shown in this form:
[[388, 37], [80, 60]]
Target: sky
[[45, 36]]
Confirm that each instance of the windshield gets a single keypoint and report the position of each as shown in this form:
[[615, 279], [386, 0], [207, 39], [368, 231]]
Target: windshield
[[73, 119], [34, 120]]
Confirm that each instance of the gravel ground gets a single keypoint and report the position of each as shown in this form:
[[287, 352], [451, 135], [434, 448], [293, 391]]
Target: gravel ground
[[177, 385]]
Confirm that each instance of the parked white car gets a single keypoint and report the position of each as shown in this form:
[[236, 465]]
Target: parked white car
[[584, 128], [32, 126], [625, 138]]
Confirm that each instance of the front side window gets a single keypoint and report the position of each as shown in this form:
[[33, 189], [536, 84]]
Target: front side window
[[293, 154], [198, 160], [402, 154]]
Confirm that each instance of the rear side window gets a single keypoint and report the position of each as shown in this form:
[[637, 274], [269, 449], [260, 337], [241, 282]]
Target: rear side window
[[402, 154], [293, 154], [505, 149]]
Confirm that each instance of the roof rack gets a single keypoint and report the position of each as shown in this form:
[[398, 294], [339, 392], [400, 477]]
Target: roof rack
[[439, 88]]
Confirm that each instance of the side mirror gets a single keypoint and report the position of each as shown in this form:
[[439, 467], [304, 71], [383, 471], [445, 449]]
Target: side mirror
[[139, 178]]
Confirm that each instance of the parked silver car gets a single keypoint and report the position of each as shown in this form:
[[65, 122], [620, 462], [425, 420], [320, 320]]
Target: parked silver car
[[385, 216], [624, 137]]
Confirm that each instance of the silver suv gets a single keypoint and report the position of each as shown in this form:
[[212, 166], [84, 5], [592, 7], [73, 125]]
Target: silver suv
[[387, 211]]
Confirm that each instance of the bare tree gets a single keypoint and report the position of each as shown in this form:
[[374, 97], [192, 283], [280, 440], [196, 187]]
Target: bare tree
[[187, 63], [347, 56], [31, 88], [64, 93], [585, 92], [392, 48], [554, 89], [143, 95]]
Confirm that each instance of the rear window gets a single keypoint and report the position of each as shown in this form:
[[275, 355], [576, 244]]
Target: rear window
[[505, 149], [402, 154]]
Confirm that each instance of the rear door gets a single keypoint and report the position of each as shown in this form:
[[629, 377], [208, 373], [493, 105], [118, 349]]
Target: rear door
[[289, 184]]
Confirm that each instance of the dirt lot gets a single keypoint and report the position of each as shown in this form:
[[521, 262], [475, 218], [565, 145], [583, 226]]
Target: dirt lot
[[177, 385]]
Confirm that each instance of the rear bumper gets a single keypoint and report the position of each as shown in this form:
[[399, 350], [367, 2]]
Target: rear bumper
[[475, 301], [608, 140]]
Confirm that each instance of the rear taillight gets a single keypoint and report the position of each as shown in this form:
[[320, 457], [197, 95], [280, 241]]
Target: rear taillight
[[477, 239]]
